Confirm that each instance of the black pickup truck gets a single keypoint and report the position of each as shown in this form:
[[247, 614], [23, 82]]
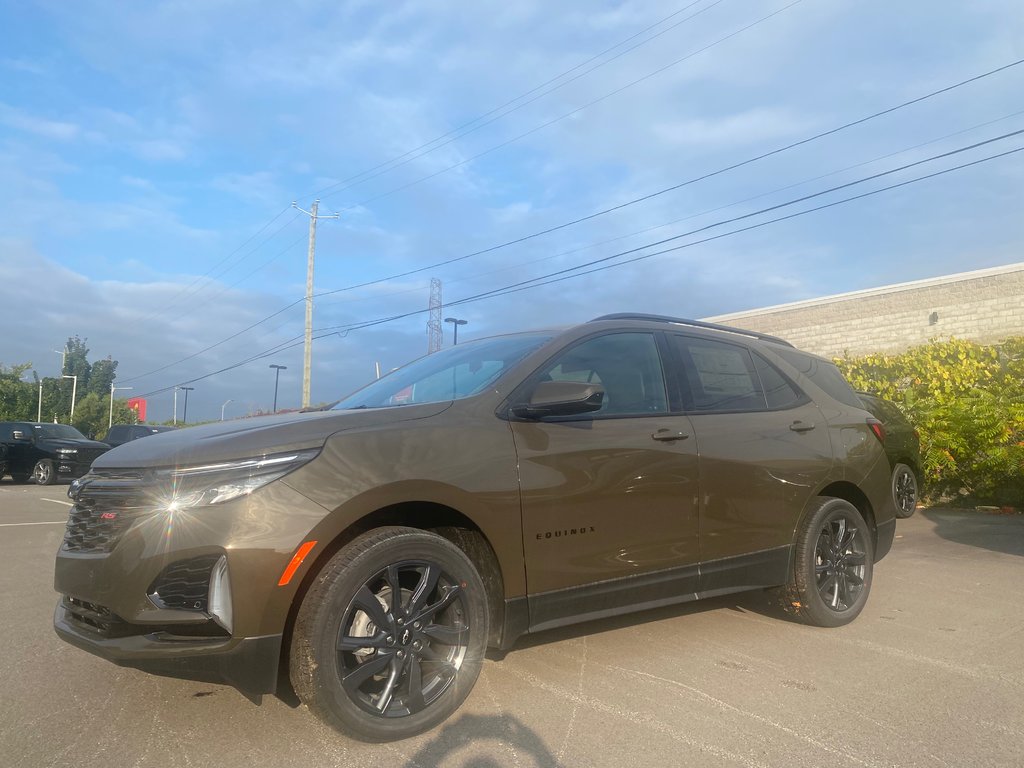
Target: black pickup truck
[[47, 452]]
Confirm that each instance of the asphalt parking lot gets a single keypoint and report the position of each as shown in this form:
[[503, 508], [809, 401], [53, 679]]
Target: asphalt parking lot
[[931, 674]]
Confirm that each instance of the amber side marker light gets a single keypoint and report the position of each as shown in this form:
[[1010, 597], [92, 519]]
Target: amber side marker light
[[297, 559]]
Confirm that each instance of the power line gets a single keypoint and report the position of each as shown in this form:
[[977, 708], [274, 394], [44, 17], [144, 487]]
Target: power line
[[680, 185], [618, 207], [558, 277], [568, 114], [480, 122]]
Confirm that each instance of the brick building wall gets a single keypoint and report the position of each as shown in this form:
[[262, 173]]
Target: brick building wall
[[986, 306]]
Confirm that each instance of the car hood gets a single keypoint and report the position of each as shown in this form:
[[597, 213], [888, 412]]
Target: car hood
[[53, 443], [246, 438]]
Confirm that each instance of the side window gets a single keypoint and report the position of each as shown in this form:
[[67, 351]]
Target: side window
[[779, 391], [721, 375], [627, 365]]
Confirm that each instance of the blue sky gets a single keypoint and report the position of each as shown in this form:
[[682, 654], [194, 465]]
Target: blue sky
[[149, 154]]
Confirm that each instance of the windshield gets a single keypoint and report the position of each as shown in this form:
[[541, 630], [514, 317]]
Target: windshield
[[59, 431], [451, 374]]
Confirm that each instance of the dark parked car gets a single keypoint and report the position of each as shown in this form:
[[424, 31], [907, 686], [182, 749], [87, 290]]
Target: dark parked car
[[119, 434], [3, 460], [46, 452], [498, 487], [903, 449]]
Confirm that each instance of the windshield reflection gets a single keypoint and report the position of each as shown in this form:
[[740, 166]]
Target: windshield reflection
[[450, 374]]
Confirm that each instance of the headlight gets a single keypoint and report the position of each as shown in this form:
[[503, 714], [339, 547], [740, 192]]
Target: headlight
[[67, 451], [209, 484]]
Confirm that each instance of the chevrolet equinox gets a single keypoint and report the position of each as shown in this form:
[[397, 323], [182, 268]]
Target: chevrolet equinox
[[370, 553]]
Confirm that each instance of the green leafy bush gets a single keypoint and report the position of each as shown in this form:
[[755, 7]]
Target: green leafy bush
[[967, 402]]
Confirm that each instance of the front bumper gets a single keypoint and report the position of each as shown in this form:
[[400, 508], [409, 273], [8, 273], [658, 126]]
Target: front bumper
[[249, 664], [111, 573]]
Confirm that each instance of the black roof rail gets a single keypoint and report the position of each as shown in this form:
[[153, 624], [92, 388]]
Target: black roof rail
[[693, 323]]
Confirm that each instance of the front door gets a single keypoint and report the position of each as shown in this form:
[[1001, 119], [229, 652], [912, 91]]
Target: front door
[[609, 499]]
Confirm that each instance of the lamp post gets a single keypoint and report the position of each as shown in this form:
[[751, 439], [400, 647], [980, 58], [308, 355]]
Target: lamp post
[[39, 413], [277, 376], [110, 421], [74, 392], [223, 407], [456, 322], [184, 414]]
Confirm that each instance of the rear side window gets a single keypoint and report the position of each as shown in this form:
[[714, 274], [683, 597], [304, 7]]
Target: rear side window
[[824, 374], [779, 391], [721, 376]]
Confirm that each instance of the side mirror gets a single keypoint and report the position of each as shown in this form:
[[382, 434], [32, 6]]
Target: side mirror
[[561, 398], [20, 436]]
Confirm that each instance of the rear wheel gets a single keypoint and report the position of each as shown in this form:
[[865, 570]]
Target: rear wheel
[[391, 636], [43, 472], [904, 490], [834, 557]]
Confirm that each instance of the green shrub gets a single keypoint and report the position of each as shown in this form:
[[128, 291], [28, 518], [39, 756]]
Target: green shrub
[[967, 402]]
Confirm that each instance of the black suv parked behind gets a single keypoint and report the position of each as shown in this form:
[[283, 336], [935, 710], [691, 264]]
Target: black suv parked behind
[[47, 451], [120, 434], [902, 448]]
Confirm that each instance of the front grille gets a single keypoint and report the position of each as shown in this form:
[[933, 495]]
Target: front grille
[[105, 507], [184, 584]]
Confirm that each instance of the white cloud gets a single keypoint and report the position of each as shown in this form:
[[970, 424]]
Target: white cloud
[[21, 120]]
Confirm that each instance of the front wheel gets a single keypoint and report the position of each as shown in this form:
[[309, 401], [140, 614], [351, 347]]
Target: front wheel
[[390, 638], [904, 490], [43, 473], [834, 556]]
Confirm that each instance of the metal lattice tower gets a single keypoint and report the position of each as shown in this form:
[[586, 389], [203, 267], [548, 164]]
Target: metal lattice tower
[[435, 334]]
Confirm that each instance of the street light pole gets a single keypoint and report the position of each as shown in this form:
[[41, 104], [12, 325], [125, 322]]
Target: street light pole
[[184, 414], [223, 407], [456, 322], [110, 421], [74, 392], [277, 375], [39, 413], [174, 421]]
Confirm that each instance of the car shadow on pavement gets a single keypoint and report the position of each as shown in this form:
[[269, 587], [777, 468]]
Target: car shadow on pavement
[[472, 732], [997, 533]]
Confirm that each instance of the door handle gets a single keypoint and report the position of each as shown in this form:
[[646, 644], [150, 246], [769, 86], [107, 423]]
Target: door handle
[[667, 435], [801, 426]]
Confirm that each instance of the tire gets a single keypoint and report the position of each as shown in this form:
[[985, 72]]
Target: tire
[[904, 490], [834, 557], [381, 670], [43, 473]]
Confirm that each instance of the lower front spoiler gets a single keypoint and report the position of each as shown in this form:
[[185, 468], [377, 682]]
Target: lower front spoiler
[[249, 664]]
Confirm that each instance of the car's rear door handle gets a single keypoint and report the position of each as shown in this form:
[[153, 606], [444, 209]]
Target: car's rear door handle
[[801, 426], [667, 435]]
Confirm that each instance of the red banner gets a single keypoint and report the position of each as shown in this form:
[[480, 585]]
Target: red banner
[[138, 404]]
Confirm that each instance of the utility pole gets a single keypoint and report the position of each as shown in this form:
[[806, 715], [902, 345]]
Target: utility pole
[[435, 331], [175, 420], [39, 412], [184, 415], [307, 358], [74, 392], [277, 377]]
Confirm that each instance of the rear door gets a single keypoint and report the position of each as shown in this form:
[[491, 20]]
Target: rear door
[[764, 450]]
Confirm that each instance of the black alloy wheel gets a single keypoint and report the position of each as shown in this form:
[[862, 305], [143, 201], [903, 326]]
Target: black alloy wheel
[[834, 557], [904, 490], [390, 638], [403, 639], [840, 563], [43, 472]]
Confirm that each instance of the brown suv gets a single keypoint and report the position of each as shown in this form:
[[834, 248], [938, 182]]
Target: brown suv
[[499, 487]]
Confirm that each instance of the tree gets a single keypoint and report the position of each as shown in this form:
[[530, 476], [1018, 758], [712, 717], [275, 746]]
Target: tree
[[102, 376], [17, 397]]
